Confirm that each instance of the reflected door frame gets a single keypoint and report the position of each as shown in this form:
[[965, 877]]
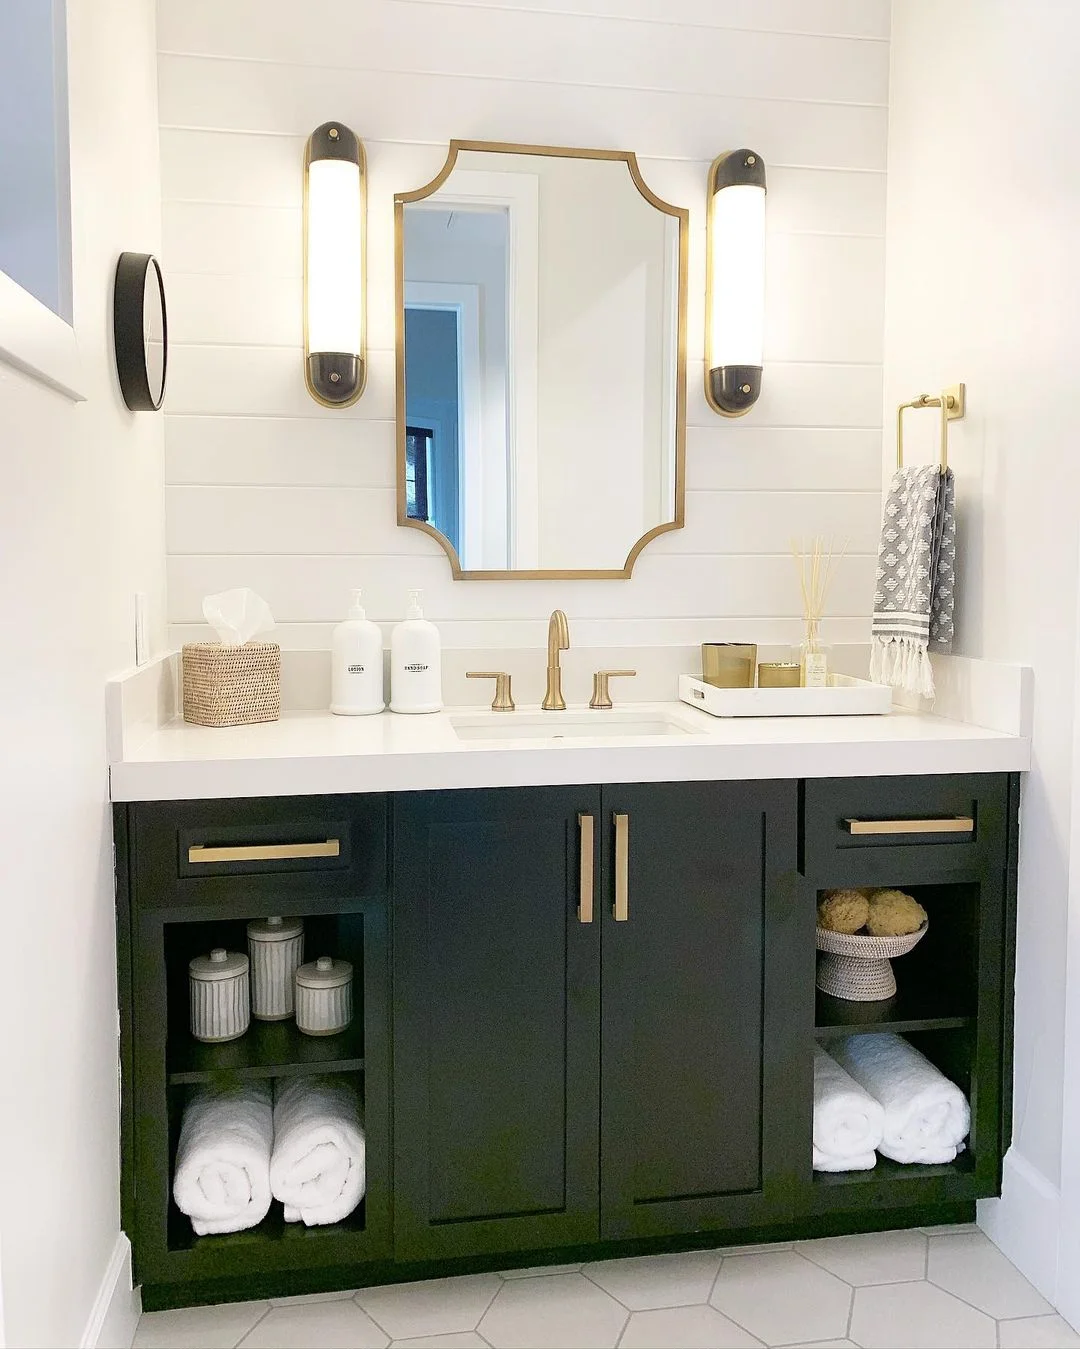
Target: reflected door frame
[[519, 195], [462, 299]]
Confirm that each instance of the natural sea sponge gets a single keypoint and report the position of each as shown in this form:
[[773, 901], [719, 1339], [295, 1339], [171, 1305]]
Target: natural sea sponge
[[843, 911], [894, 914]]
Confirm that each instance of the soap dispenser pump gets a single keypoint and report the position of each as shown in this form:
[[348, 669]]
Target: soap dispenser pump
[[415, 662], [356, 665]]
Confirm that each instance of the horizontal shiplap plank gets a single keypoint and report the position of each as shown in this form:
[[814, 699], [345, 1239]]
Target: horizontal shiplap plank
[[234, 168], [527, 45], [324, 452], [213, 181], [266, 381], [284, 520], [332, 520], [316, 588], [258, 97], [517, 634], [279, 451], [208, 238], [737, 456], [799, 395], [854, 18], [236, 310], [751, 523]]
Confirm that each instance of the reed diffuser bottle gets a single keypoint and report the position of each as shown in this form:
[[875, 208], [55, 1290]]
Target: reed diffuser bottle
[[815, 562]]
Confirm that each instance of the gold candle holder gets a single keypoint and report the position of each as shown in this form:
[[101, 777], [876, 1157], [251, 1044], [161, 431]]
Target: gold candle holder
[[779, 674], [729, 665]]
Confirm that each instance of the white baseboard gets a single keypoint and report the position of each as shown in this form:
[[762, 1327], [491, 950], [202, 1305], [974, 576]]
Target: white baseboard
[[117, 1307], [1023, 1223]]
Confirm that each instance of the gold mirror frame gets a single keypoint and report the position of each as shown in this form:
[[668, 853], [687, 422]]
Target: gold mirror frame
[[682, 215]]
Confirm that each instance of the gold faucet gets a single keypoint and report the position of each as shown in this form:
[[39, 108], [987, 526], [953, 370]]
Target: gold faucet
[[558, 640]]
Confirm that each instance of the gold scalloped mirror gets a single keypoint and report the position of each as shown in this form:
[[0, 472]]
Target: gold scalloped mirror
[[541, 373]]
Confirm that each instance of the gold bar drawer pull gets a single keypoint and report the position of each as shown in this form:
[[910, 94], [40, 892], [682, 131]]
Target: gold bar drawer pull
[[585, 880], [265, 852], [953, 824], [621, 907]]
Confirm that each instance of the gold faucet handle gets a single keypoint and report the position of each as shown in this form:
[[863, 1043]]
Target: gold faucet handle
[[502, 702], [601, 694]]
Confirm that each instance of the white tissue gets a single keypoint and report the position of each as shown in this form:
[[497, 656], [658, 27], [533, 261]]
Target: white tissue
[[237, 615]]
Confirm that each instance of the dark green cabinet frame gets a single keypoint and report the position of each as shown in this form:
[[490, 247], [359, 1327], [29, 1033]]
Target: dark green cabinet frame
[[619, 1087]]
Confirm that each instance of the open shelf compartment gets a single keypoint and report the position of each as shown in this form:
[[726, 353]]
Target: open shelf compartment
[[267, 1048], [937, 982]]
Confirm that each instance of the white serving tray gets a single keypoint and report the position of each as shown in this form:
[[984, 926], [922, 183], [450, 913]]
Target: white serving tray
[[844, 696]]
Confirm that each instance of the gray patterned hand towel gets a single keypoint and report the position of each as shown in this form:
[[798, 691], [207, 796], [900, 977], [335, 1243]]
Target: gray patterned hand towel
[[913, 604]]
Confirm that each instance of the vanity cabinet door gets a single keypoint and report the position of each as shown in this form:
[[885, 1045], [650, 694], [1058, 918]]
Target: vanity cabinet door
[[496, 1021], [700, 973]]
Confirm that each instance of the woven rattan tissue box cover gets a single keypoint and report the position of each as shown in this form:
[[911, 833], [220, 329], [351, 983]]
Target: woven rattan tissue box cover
[[231, 685]]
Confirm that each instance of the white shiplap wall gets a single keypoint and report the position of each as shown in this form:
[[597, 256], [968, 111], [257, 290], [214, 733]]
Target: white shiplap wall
[[267, 489]]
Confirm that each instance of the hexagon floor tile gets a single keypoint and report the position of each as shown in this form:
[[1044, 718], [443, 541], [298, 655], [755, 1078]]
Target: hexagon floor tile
[[565, 1311], [685, 1328], [782, 1298], [219, 1327], [650, 1281], [332, 1325], [972, 1267], [871, 1257], [1038, 1332], [407, 1311], [918, 1316]]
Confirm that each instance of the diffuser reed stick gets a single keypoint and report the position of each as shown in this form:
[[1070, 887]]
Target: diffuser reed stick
[[816, 561]]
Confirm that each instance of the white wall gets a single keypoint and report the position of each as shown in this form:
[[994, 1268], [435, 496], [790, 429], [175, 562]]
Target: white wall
[[81, 529], [984, 205], [269, 490]]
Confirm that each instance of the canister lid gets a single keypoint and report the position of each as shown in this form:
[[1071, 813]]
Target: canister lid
[[274, 929], [324, 973], [219, 964]]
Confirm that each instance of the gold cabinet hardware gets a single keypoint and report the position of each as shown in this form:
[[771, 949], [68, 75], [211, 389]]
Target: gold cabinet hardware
[[956, 824], [601, 694], [264, 852], [502, 702], [585, 880], [621, 908]]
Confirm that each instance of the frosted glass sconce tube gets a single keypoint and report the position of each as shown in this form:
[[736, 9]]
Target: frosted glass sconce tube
[[334, 299], [735, 283]]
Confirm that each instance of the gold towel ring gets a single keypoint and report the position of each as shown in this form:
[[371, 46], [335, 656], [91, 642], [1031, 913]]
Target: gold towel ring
[[951, 401]]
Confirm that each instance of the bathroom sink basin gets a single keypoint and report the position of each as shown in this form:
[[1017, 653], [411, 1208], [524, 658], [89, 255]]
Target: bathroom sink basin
[[584, 724]]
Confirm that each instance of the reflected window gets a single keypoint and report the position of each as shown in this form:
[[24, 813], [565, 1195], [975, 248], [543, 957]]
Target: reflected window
[[419, 443]]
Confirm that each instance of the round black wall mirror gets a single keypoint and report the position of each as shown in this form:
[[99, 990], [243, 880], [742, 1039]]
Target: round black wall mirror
[[140, 331]]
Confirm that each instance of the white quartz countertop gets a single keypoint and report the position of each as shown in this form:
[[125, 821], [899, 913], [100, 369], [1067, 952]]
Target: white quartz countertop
[[307, 753]]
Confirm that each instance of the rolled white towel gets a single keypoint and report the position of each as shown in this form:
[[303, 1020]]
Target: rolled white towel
[[317, 1170], [222, 1177], [848, 1122], [927, 1117]]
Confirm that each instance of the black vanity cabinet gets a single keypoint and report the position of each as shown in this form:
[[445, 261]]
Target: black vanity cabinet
[[585, 1016], [522, 1117]]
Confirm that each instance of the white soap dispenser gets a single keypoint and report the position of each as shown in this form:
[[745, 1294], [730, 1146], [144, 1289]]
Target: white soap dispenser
[[356, 665], [415, 662]]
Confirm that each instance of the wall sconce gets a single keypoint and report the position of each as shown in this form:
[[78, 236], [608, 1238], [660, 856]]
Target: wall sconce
[[334, 246], [735, 283]]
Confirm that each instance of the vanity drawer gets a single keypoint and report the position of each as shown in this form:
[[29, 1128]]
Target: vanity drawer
[[896, 830], [280, 851]]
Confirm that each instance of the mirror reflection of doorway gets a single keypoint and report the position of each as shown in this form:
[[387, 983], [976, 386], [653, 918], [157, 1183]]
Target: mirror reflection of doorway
[[434, 416]]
